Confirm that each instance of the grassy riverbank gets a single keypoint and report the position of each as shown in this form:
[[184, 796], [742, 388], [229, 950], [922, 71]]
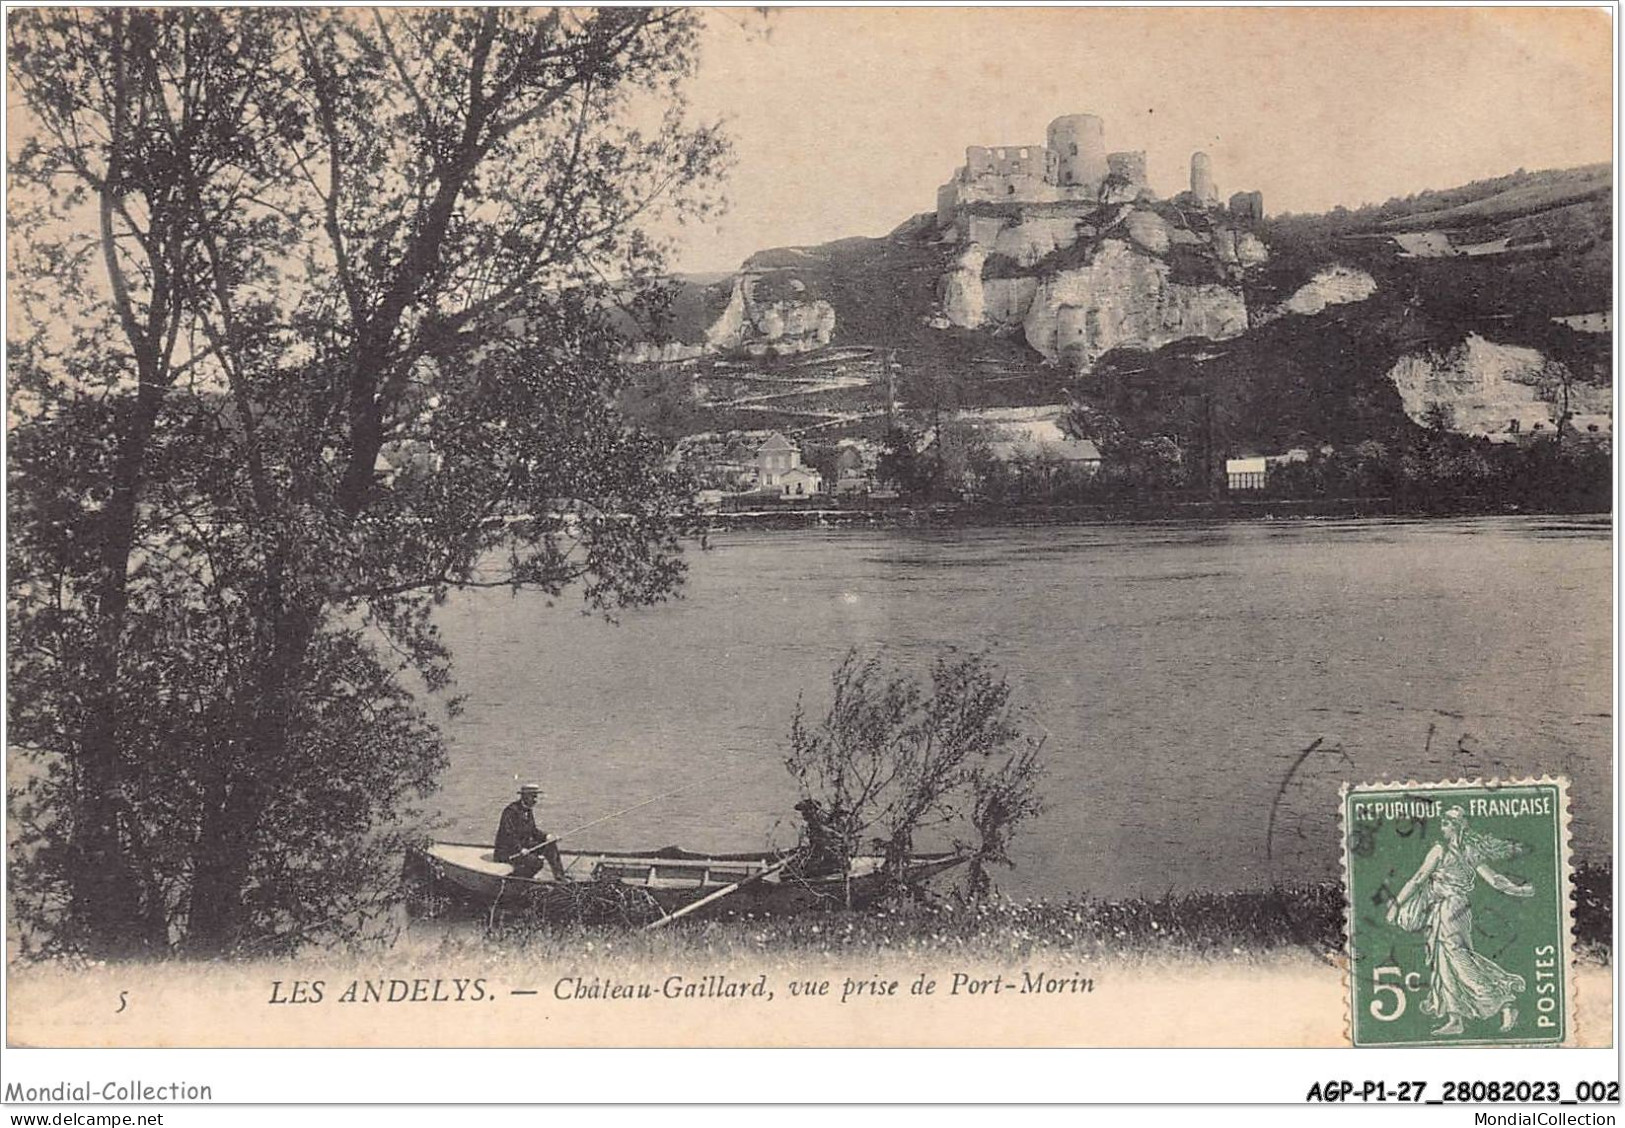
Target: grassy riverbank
[[1121, 973], [1220, 926], [1308, 918], [449, 981]]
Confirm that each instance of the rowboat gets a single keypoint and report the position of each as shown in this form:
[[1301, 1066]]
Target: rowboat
[[649, 885]]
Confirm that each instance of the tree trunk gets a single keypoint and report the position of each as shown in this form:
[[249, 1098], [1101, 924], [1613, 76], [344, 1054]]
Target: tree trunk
[[223, 858], [218, 917], [106, 894], [898, 848], [224, 852], [106, 898]]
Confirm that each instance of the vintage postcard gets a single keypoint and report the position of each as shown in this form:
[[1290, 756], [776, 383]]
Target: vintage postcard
[[809, 527]]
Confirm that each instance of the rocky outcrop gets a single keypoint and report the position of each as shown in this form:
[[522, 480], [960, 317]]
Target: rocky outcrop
[[1032, 239], [728, 330], [1125, 298], [1332, 285], [1491, 388], [1150, 230], [963, 296], [1076, 278], [1335, 285], [1239, 249], [970, 301], [1083, 278], [1005, 301], [779, 327]]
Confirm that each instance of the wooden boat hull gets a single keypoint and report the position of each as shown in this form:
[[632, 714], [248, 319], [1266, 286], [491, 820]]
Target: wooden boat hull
[[648, 883]]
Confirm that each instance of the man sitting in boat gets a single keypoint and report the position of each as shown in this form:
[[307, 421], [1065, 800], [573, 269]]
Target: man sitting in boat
[[520, 843], [824, 855]]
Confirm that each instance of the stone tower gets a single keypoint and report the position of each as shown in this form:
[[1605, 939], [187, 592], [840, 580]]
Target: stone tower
[[1077, 143], [1129, 166], [1202, 178], [1247, 205]]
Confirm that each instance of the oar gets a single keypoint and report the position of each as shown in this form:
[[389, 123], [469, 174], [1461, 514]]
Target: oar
[[721, 893], [552, 838]]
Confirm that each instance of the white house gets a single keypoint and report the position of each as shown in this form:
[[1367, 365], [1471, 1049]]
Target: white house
[[777, 455], [1246, 473], [800, 481], [779, 469]]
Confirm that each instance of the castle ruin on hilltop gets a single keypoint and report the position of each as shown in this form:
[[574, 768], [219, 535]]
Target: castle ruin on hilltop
[[1073, 165]]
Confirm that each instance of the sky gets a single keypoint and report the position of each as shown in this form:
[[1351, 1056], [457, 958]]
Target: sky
[[845, 120]]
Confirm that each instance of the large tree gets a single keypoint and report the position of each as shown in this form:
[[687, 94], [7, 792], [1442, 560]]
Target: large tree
[[313, 331]]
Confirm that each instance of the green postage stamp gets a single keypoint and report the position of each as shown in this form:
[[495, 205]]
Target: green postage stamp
[[1459, 914]]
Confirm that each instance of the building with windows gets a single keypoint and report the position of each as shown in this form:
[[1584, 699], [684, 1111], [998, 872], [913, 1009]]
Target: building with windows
[[779, 469], [1246, 473], [777, 455], [803, 481]]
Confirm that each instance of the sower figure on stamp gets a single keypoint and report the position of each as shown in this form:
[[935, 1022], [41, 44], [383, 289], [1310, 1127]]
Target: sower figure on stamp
[[520, 843], [1462, 983]]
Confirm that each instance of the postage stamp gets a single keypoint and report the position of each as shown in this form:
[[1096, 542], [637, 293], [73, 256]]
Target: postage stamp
[[1459, 922]]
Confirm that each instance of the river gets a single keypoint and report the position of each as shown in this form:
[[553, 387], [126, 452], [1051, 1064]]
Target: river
[[1179, 672]]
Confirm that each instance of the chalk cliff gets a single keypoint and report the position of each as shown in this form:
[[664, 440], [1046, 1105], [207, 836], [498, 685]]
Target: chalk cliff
[[1491, 388], [1079, 280], [964, 298], [1121, 297], [1334, 285], [786, 322]]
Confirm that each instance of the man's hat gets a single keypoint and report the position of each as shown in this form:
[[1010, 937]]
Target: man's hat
[[524, 787]]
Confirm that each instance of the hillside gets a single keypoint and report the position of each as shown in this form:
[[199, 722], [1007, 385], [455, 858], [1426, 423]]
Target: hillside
[[1504, 197], [882, 294], [1526, 243], [1288, 331], [1325, 378]]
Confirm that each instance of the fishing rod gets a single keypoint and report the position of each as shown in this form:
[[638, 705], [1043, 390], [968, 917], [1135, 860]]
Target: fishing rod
[[554, 838]]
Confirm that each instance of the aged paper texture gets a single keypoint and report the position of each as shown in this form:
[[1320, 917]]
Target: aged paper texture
[[1115, 435]]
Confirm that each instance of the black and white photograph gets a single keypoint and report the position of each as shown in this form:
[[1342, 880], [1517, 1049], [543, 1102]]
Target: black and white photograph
[[740, 528]]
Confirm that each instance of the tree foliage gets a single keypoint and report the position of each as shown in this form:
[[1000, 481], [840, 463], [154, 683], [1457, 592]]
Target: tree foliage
[[313, 330], [892, 760], [1439, 471], [901, 466]]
